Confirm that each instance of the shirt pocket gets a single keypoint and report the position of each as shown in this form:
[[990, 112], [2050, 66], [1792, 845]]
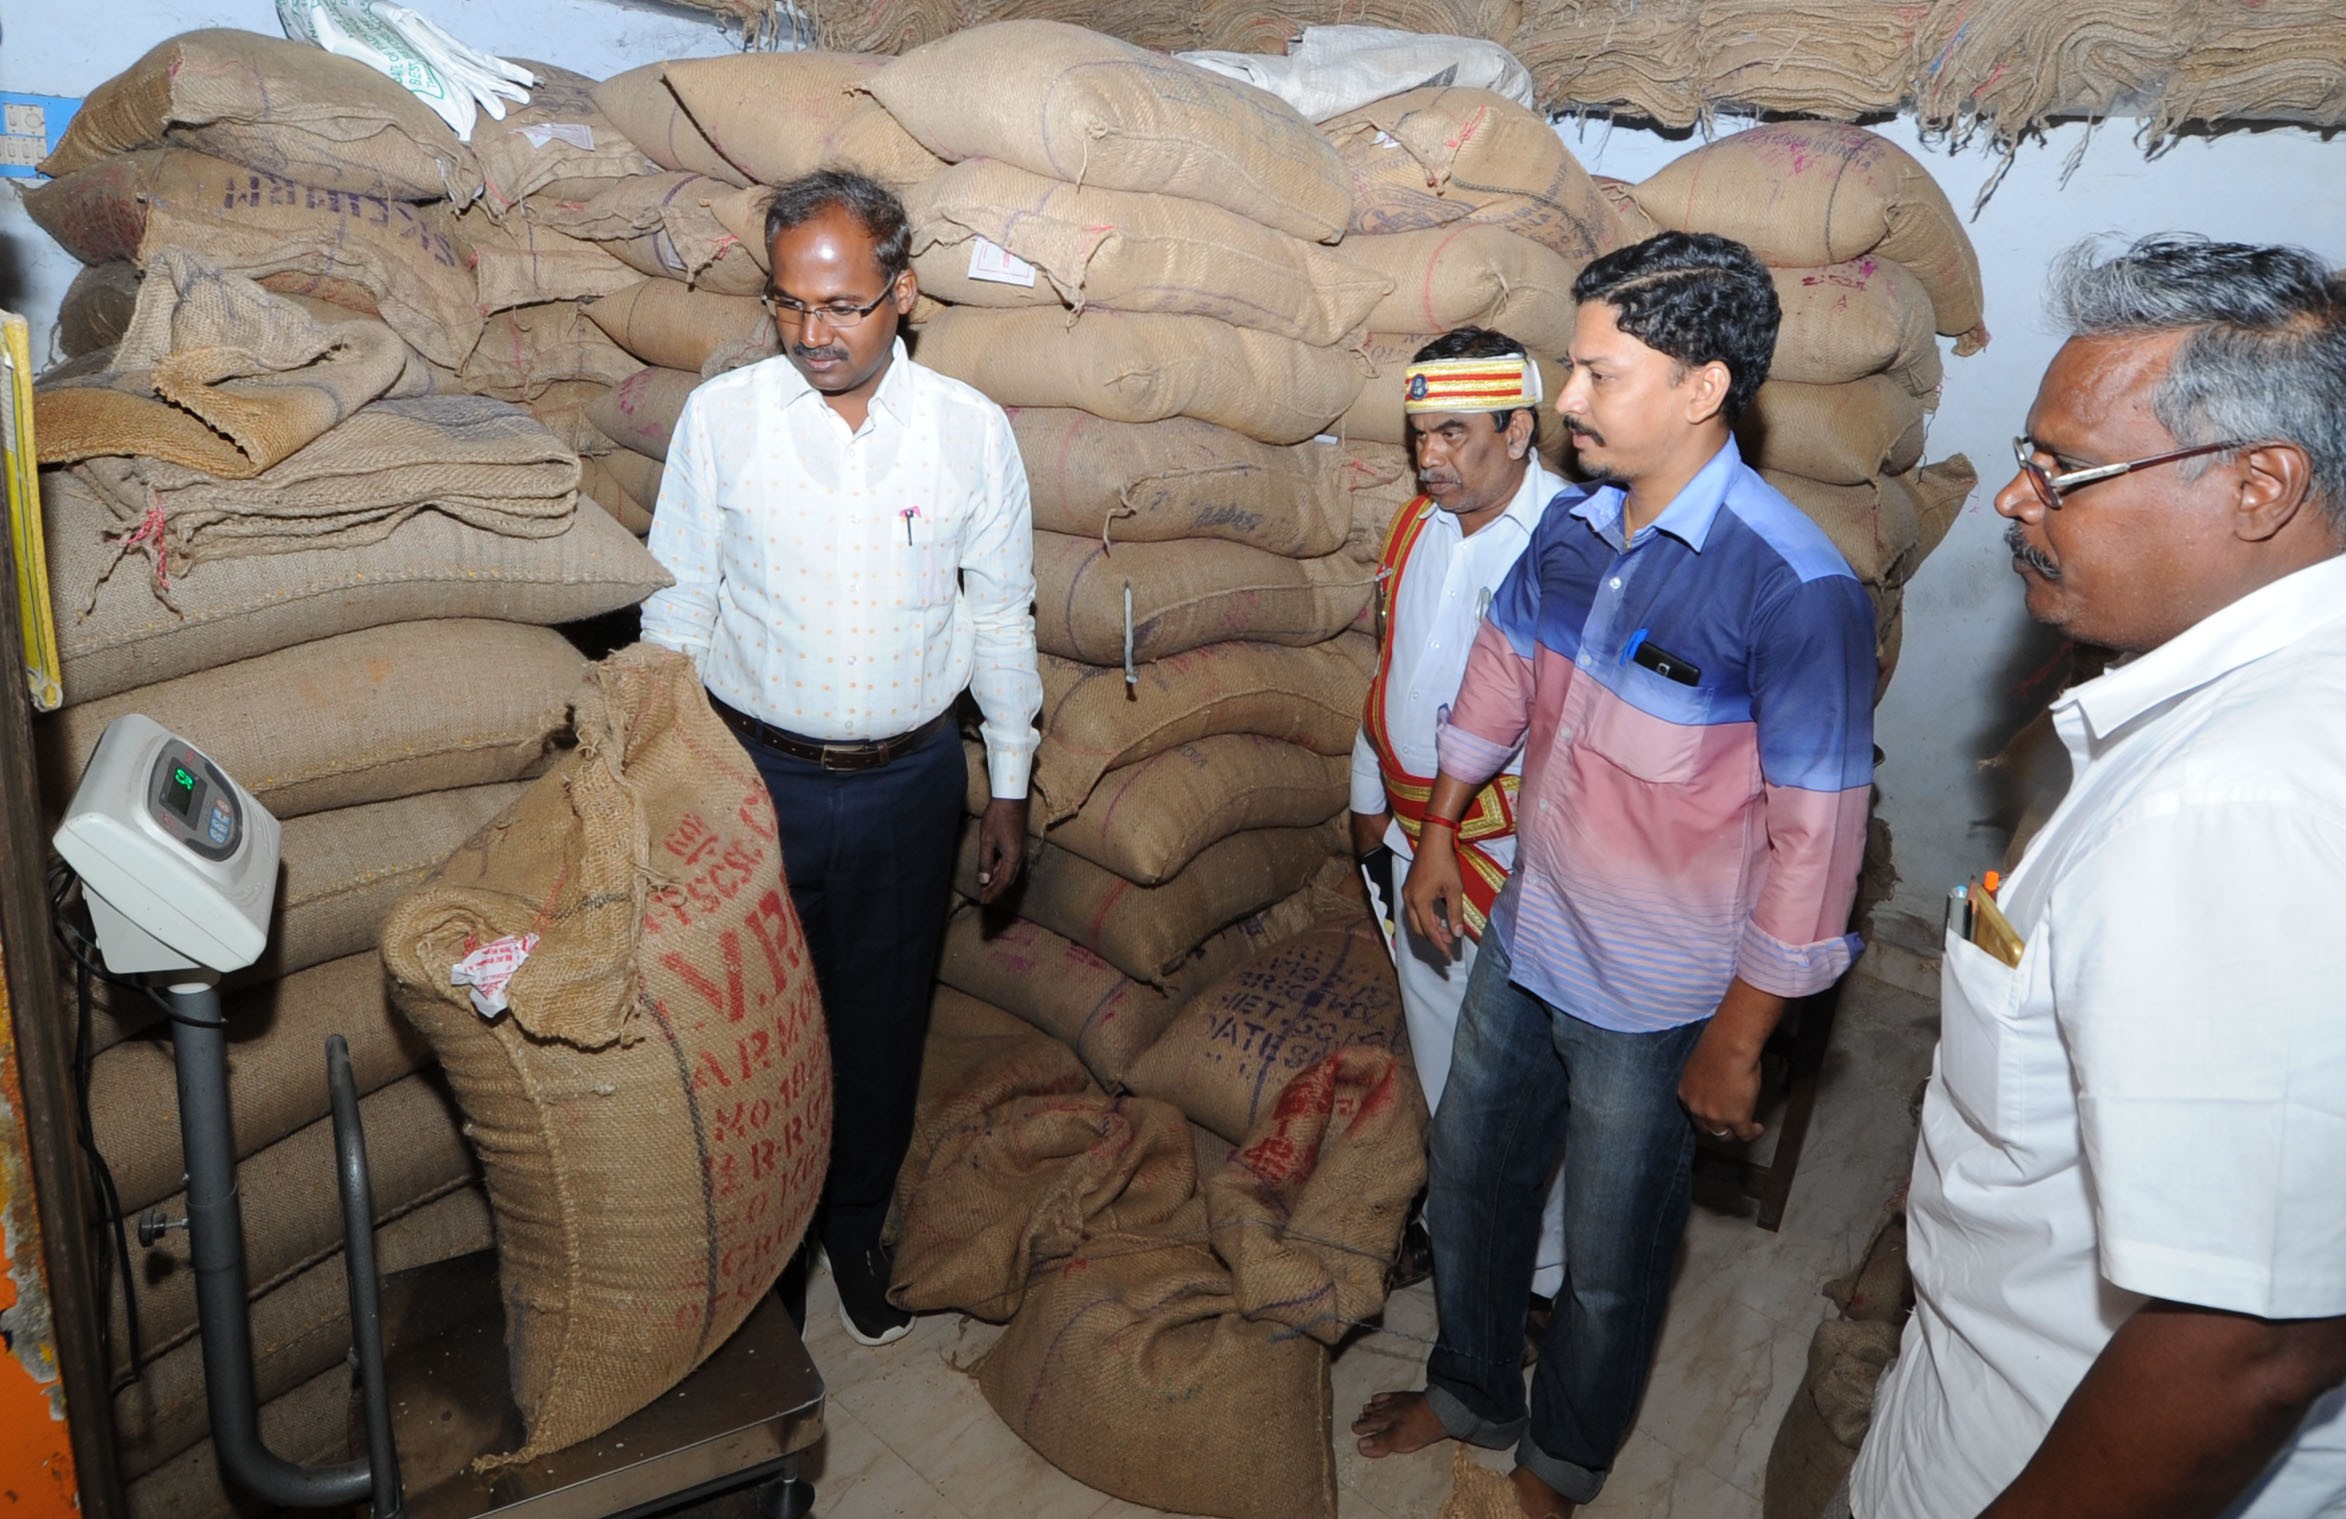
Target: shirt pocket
[[931, 546], [1985, 1041], [1663, 750]]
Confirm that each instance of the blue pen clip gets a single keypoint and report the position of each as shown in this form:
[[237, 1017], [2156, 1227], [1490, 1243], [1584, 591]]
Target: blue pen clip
[[1629, 650]]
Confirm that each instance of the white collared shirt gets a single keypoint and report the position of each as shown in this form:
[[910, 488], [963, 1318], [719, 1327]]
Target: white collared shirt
[[2153, 1104], [848, 584], [1448, 584]]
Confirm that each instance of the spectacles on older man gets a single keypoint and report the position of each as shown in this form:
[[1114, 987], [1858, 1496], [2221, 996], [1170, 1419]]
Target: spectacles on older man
[[2051, 484]]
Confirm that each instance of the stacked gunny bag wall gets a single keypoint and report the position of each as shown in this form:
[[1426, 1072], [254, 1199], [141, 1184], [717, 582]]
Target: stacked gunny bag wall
[[343, 387]]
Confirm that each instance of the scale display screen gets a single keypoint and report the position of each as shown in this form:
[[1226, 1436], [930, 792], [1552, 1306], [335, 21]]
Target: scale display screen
[[179, 793]]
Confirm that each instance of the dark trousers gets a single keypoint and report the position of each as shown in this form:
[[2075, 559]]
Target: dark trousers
[[869, 854]]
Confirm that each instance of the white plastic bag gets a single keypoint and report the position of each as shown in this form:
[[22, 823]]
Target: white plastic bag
[[456, 81], [1335, 69]]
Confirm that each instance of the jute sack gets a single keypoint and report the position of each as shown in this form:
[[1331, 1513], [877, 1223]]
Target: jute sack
[[670, 326], [1471, 276], [299, 1329], [116, 628], [1076, 105], [598, 484], [520, 262], [528, 350], [1011, 1191], [1168, 597], [1868, 316], [1130, 251], [1309, 1210], [1376, 416], [97, 307], [637, 475], [402, 261], [1148, 820], [1802, 194], [1885, 528], [484, 462], [648, 114], [654, 1115], [1150, 482], [560, 136], [344, 871], [1057, 986], [1093, 722], [1841, 434], [1431, 157], [359, 717], [1816, 1445], [276, 1072], [975, 1055], [1131, 1369], [310, 1424], [640, 412], [561, 409], [1642, 61], [1381, 479], [1148, 932], [416, 1152], [780, 115], [1144, 367], [1636, 223], [217, 374], [1238, 1043], [663, 225], [282, 107]]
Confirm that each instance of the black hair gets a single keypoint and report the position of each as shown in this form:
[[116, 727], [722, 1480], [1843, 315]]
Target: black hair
[[873, 205], [1481, 343], [1697, 297]]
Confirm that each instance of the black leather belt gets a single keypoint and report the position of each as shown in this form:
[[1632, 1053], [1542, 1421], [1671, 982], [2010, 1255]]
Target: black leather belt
[[831, 754]]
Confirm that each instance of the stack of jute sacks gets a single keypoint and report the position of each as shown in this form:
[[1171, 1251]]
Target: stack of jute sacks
[[319, 177], [1869, 261], [286, 535]]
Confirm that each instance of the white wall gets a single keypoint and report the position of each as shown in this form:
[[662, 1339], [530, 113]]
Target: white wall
[[1970, 649]]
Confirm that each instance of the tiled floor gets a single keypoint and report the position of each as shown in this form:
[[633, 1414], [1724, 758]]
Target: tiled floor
[[909, 1436]]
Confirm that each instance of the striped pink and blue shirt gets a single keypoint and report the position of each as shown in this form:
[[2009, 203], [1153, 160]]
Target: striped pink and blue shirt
[[1695, 710]]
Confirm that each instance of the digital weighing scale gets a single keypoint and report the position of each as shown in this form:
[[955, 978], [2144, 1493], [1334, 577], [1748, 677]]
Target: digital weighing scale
[[178, 865]]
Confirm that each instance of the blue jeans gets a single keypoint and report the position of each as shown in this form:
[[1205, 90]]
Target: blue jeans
[[1526, 1078]]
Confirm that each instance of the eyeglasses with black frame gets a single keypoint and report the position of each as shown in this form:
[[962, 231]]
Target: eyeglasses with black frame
[[792, 313], [2050, 485]]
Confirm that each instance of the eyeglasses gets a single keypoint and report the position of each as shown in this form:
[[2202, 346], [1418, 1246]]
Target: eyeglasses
[[2049, 484], [838, 314]]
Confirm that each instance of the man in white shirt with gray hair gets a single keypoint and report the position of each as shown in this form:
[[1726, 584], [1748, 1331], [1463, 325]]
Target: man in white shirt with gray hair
[[852, 547], [2127, 1221]]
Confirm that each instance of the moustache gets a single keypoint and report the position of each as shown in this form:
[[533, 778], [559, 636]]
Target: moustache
[[1580, 426], [2023, 552], [1436, 477], [827, 351]]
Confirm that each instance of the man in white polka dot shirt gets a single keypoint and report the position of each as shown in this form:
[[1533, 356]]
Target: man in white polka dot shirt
[[852, 547]]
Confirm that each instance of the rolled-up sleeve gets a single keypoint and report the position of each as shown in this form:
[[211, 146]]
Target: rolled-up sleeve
[[687, 539], [998, 592], [1812, 684]]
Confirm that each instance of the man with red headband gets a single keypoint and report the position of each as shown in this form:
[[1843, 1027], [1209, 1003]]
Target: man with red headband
[[1473, 400]]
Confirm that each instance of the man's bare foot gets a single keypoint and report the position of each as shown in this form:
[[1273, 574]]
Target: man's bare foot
[[1536, 1498], [1396, 1423]]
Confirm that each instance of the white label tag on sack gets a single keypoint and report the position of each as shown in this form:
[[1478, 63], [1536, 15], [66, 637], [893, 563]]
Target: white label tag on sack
[[487, 969], [577, 133], [992, 261]]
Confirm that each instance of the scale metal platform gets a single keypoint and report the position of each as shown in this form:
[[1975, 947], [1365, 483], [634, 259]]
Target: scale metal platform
[[740, 1420]]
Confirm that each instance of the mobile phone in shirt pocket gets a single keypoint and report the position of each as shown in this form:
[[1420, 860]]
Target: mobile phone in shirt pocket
[[1649, 725]]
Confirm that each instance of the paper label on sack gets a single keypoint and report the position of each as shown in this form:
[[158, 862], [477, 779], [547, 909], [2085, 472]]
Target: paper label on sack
[[992, 261], [577, 133], [487, 969]]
